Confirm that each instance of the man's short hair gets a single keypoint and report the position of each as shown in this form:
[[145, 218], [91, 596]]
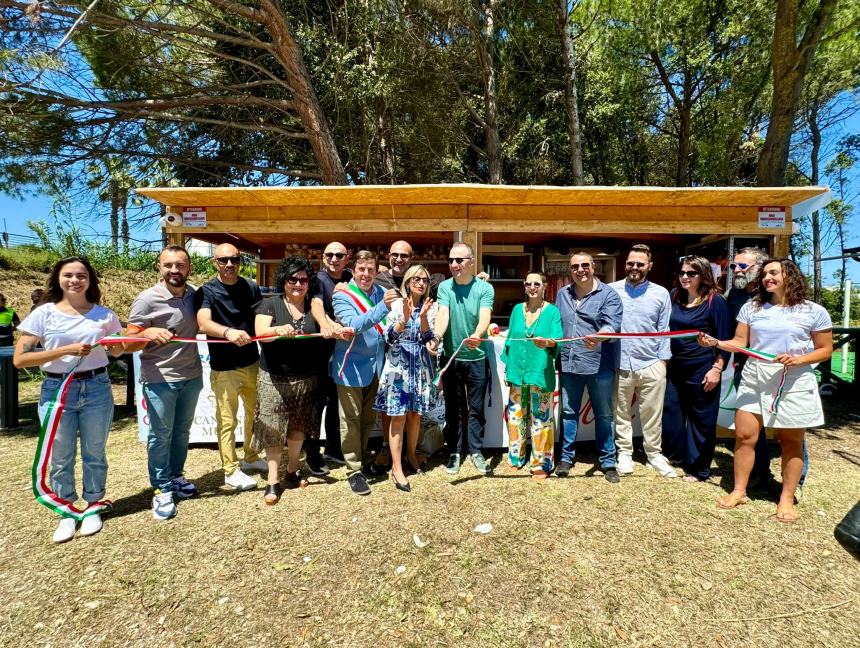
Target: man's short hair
[[175, 248], [760, 255], [460, 244], [582, 253], [365, 255], [641, 248]]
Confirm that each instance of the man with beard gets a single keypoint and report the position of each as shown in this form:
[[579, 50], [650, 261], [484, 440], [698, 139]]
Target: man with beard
[[747, 264], [225, 309], [399, 258], [171, 375], [641, 363], [588, 307]]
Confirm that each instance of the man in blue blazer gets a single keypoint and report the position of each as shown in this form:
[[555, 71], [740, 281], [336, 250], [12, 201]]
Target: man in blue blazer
[[361, 307]]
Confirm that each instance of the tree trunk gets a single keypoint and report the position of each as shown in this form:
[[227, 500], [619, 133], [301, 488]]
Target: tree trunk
[[126, 236], [484, 44], [815, 131], [304, 96], [385, 152], [682, 168], [789, 63], [570, 92], [114, 215]]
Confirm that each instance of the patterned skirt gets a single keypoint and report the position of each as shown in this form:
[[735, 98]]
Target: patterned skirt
[[286, 405]]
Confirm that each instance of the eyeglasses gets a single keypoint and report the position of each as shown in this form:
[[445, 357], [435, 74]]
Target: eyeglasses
[[457, 260], [235, 260], [297, 280], [741, 266], [532, 284], [336, 255], [399, 255], [636, 264], [689, 273], [577, 266], [417, 280]]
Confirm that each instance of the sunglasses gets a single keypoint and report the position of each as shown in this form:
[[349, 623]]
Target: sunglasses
[[532, 284], [636, 264], [577, 266], [741, 266], [336, 255], [235, 260], [303, 281], [399, 255], [458, 260], [689, 273], [417, 280]]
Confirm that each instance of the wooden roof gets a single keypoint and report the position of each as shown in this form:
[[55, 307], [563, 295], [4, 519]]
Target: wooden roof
[[272, 215]]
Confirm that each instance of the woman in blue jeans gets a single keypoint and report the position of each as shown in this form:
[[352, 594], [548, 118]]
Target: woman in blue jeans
[[67, 325]]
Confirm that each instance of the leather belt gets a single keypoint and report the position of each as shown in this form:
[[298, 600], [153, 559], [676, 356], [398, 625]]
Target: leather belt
[[79, 375]]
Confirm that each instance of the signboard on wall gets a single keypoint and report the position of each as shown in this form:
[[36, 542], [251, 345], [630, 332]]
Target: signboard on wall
[[194, 216], [771, 217]]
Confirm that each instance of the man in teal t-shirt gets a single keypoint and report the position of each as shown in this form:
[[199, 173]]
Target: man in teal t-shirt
[[8, 323], [465, 307]]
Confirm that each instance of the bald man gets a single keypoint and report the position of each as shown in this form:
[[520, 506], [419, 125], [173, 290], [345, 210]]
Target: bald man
[[399, 259], [225, 309], [334, 271]]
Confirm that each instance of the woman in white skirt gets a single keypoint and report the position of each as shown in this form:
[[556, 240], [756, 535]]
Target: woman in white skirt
[[782, 394]]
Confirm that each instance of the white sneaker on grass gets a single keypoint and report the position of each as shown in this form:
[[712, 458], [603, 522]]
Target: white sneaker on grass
[[240, 481], [625, 464], [65, 531], [260, 466], [91, 524], [662, 466], [163, 506]]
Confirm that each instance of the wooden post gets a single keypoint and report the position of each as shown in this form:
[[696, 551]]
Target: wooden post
[[473, 239], [176, 238], [780, 246]]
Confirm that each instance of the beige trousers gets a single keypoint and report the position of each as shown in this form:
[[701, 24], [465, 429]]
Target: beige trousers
[[648, 387], [357, 420], [228, 387]]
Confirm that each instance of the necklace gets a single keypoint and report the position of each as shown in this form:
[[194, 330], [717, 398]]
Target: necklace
[[298, 322], [530, 327]]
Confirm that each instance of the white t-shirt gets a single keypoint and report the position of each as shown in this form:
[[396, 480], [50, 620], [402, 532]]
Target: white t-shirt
[[55, 329], [784, 329]]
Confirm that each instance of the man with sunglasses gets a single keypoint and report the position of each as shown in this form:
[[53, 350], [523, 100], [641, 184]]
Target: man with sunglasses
[[745, 267], [588, 307], [465, 308], [399, 259], [334, 271], [225, 310], [642, 362]]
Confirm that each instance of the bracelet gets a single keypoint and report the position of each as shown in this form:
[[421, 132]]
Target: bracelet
[[224, 334], [717, 367]]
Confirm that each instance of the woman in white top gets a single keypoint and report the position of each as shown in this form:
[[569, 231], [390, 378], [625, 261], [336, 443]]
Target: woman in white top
[[782, 394], [67, 326]]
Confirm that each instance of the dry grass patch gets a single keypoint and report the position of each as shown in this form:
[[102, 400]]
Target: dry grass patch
[[577, 562]]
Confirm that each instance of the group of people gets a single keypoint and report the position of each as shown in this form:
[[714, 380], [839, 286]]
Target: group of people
[[358, 343]]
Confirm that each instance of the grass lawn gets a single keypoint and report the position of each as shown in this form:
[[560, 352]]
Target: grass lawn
[[576, 562]]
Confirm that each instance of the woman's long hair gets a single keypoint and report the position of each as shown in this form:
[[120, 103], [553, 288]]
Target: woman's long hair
[[796, 288], [289, 267], [53, 293], [707, 287]]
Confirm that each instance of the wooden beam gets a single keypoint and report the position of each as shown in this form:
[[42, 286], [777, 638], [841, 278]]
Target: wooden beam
[[289, 213], [631, 227], [633, 212], [473, 240], [302, 226]]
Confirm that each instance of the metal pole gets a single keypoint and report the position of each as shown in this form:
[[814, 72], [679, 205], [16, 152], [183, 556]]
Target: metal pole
[[846, 322]]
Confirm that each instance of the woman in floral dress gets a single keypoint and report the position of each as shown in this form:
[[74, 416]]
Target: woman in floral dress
[[406, 388]]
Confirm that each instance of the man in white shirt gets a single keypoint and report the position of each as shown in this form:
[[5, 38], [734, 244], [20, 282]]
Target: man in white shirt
[[642, 362]]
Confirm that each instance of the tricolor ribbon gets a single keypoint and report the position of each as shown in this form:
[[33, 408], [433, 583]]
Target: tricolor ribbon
[[44, 446], [362, 302]]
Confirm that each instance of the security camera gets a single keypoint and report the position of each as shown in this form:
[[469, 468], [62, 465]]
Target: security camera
[[170, 220]]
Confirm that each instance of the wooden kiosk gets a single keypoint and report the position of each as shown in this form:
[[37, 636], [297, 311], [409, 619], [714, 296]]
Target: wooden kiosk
[[511, 228]]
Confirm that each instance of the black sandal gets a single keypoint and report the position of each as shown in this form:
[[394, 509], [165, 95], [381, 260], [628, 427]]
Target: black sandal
[[272, 494], [294, 480]]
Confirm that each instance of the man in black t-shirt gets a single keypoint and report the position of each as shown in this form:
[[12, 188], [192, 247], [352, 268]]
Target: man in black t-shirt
[[334, 271], [225, 309], [399, 259]]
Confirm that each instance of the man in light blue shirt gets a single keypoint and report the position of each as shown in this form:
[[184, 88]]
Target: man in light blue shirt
[[642, 363]]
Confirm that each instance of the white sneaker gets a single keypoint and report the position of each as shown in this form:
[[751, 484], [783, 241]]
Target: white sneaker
[[91, 524], [625, 464], [240, 481], [65, 531], [163, 507], [662, 466], [259, 466]]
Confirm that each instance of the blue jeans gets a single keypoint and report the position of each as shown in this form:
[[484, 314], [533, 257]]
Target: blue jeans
[[88, 414], [170, 407], [600, 388]]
